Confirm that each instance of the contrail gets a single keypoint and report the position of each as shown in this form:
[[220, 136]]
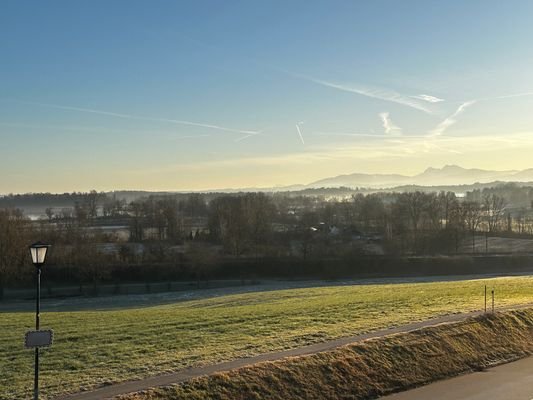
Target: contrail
[[99, 129], [382, 94], [243, 138], [135, 117], [300, 132], [192, 136], [507, 96], [248, 136], [349, 134], [369, 135], [449, 121], [428, 98]]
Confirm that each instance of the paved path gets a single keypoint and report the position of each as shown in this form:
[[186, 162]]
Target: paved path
[[186, 374], [513, 381]]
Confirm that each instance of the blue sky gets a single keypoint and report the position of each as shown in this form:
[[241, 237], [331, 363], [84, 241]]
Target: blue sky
[[169, 95]]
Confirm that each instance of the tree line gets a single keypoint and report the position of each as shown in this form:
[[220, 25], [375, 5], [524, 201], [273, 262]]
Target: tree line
[[193, 234]]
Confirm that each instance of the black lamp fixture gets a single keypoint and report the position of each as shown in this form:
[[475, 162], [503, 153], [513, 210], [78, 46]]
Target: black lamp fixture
[[38, 252]]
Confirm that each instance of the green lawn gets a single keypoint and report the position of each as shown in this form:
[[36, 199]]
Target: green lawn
[[94, 348]]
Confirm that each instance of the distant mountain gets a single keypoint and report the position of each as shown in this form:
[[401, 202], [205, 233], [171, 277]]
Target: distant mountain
[[525, 175], [363, 180], [447, 175]]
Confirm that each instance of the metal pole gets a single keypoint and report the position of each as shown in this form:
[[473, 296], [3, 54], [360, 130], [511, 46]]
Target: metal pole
[[493, 300], [37, 317], [485, 299]]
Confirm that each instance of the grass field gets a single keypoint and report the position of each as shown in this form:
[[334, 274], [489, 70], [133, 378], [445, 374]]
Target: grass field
[[95, 348]]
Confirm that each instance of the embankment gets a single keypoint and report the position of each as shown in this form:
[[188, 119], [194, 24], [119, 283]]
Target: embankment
[[372, 368]]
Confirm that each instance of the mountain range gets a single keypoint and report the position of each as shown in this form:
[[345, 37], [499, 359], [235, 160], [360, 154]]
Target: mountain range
[[447, 175]]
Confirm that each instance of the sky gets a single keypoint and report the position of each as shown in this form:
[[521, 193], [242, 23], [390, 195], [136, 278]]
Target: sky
[[194, 95]]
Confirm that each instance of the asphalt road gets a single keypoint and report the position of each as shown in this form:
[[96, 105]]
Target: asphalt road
[[513, 381]]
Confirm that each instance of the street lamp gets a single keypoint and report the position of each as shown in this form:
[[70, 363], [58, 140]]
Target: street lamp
[[38, 256]]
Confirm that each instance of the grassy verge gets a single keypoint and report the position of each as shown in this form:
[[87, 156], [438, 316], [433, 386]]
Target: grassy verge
[[100, 347], [371, 369]]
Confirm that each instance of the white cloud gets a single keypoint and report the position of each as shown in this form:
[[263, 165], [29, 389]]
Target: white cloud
[[390, 128], [428, 98]]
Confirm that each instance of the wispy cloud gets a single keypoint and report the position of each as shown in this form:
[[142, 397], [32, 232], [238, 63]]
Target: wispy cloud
[[300, 132], [421, 147], [451, 120], [428, 98], [369, 135], [250, 135], [192, 136], [390, 128], [136, 117], [508, 96], [101, 130], [375, 93]]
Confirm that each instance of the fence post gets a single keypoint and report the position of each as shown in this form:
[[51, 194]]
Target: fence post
[[485, 299]]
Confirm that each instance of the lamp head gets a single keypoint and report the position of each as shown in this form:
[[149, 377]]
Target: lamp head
[[38, 252]]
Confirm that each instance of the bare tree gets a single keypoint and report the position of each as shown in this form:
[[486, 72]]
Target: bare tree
[[521, 221], [203, 258], [91, 264], [13, 244], [473, 215], [493, 208], [412, 205], [435, 212], [137, 222], [92, 204], [448, 202]]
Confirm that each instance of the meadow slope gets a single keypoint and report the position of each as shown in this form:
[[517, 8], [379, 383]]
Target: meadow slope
[[94, 348]]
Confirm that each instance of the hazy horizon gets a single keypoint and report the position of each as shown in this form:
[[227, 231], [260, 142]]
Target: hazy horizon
[[198, 96], [463, 178]]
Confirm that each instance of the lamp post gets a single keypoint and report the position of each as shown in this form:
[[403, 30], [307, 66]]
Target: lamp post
[[38, 256]]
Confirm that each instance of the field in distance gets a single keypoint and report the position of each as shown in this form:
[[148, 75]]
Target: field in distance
[[93, 348]]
